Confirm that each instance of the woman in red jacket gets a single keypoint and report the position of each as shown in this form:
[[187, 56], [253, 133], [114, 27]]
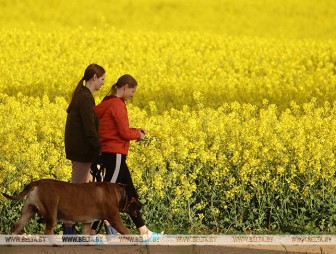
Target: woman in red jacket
[[115, 135]]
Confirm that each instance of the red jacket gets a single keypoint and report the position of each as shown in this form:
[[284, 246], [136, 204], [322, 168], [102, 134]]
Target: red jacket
[[114, 131]]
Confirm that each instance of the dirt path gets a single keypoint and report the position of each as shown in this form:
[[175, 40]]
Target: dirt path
[[190, 249]]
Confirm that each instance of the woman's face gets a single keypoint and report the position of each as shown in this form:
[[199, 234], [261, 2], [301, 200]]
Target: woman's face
[[129, 92]]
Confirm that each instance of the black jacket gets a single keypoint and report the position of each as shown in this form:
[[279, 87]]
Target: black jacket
[[81, 129]]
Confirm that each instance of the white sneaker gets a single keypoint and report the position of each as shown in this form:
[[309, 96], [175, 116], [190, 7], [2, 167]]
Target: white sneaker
[[151, 236]]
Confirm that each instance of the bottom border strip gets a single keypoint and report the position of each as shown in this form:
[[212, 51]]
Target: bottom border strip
[[168, 240]]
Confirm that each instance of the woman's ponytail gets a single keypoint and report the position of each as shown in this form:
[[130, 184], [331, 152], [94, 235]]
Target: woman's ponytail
[[113, 90], [78, 87], [76, 91]]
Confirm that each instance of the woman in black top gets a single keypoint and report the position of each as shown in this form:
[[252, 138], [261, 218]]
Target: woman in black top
[[81, 140]]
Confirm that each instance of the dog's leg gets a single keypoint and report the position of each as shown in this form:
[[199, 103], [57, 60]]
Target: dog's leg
[[28, 212], [117, 223], [50, 224], [50, 216]]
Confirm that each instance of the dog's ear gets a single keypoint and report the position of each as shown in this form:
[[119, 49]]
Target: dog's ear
[[136, 203], [134, 207]]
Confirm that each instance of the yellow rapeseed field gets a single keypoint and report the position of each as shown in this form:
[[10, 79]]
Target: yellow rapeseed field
[[238, 97]]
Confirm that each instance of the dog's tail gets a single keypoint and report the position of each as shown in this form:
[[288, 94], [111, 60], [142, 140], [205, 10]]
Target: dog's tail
[[25, 191]]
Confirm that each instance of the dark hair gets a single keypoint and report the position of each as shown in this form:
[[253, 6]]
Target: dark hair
[[125, 79], [89, 72]]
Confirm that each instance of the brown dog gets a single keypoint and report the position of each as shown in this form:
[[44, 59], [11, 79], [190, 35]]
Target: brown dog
[[80, 202]]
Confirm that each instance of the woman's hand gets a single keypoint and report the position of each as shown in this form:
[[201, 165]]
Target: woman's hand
[[143, 132]]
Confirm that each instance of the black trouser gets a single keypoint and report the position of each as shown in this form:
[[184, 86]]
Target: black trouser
[[118, 172]]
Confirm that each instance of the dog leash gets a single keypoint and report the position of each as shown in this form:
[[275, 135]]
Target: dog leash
[[98, 176]]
